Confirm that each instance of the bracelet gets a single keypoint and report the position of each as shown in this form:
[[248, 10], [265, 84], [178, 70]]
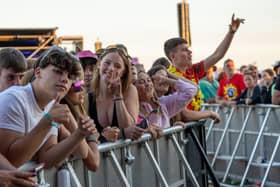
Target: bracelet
[[53, 124], [91, 138], [122, 134], [118, 99], [48, 116]]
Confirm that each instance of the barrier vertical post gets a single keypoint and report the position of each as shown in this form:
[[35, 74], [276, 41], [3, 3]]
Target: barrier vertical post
[[255, 147], [237, 143]]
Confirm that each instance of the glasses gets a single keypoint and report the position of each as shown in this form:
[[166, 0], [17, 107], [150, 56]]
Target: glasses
[[119, 47], [78, 86]]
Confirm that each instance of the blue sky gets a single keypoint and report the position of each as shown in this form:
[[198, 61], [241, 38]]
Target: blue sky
[[144, 25]]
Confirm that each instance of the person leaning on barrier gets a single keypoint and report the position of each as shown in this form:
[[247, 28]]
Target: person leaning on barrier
[[185, 115], [27, 121], [252, 94], [231, 86], [9, 176], [268, 80], [209, 87], [113, 103], [158, 111], [74, 99], [276, 68], [12, 67]]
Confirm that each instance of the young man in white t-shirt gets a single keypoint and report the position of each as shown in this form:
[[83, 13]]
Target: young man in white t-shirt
[[27, 113]]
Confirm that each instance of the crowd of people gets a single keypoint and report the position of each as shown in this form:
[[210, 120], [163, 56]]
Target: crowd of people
[[67, 104], [247, 86]]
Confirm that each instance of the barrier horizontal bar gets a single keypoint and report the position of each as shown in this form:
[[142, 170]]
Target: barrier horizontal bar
[[243, 106], [247, 132], [104, 147]]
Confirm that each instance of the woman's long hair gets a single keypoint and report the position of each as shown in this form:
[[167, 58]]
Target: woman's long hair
[[125, 79]]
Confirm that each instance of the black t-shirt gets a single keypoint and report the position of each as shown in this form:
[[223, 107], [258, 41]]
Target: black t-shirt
[[277, 86]]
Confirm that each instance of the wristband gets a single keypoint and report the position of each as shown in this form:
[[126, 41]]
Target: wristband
[[47, 116], [53, 124], [91, 138], [122, 134], [118, 99]]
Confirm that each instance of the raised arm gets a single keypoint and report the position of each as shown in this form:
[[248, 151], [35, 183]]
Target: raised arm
[[220, 52], [176, 77], [127, 107], [175, 102]]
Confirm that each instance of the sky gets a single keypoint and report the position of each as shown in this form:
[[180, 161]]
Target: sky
[[143, 26]]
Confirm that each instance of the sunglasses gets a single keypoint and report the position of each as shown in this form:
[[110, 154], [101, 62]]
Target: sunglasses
[[119, 47], [78, 86], [53, 52]]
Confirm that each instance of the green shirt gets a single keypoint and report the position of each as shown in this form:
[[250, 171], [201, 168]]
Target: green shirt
[[209, 90]]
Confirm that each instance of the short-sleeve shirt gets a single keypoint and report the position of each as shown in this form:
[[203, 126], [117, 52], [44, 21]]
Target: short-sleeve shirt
[[194, 73], [231, 89], [209, 89], [20, 112]]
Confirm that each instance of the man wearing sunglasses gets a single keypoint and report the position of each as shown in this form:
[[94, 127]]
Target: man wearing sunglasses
[[29, 120]]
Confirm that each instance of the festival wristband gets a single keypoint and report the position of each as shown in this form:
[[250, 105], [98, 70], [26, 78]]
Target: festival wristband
[[118, 99], [53, 124], [91, 138], [47, 116]]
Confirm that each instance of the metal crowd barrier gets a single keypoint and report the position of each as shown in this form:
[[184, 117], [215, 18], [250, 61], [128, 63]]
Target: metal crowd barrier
[[176, 159], [243, 148]]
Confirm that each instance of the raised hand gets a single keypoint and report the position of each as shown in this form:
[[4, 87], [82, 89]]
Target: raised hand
[[115, 85], [60, 113], [160, 79], [233, 27]]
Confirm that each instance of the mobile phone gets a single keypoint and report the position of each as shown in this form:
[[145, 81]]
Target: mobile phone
[[143, 124], [38, 168], [32, 167]]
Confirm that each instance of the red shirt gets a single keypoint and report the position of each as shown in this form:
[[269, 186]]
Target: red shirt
[[231, 89], [196, 72]]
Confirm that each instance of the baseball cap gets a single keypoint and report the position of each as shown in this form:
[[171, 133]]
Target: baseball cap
[[86, 54]]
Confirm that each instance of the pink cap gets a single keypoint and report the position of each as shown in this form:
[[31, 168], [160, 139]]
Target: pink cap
[[86, 54]]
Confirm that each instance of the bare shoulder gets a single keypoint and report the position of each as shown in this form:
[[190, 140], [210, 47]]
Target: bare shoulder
[[132, 91]]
